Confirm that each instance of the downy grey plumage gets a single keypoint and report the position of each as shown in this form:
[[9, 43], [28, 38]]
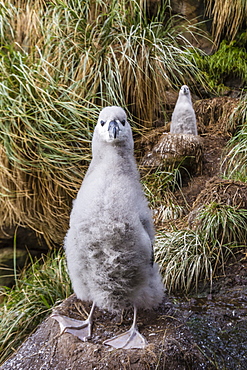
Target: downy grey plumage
[[109, 242], [183, 116]]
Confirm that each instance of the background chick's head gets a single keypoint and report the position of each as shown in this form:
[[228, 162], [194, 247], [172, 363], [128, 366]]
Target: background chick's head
[[185, 90]]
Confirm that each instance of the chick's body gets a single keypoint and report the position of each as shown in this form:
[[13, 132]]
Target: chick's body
[[109, 242]]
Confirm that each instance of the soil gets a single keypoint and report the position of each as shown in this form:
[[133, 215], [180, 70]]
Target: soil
[[213, 147]]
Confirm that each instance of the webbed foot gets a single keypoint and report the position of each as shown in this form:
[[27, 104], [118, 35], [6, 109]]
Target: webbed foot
[[79, 328], [130, 339]]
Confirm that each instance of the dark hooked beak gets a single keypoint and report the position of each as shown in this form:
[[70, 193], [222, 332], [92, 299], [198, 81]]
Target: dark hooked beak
[[113, 129]]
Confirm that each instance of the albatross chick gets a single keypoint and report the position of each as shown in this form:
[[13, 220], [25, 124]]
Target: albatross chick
[[109, 242], [183, 116]]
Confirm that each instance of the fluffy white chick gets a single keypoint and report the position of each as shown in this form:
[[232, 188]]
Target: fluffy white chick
[[109, 242], [183, 116]]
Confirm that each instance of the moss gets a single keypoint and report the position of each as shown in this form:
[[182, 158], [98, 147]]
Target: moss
[[228, 62]]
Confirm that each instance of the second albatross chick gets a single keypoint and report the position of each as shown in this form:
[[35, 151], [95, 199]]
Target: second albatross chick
[[109, 243], [183, 116]]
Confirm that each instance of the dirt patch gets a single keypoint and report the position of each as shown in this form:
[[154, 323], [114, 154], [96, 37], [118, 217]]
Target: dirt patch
[[217, 318], [170, 343], [230, 192]]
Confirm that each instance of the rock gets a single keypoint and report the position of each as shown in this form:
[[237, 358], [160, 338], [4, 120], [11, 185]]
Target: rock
[[25, 238], [28, 243], [194, 11], [170, 344]]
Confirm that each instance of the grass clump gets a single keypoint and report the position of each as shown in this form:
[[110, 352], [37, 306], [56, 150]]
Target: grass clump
[[184, 259], [187, 257], [121, 56], [228, 17], [157, 183], [234, 163], [224, 223], [38, 289], [107, 51], [159, 186], [45, 147]]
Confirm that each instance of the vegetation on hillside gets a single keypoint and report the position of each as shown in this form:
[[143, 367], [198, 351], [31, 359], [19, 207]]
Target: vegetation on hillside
[[235, 159], [39, 287], [103, 52], [197, 254], [228, 62], [59, 63]]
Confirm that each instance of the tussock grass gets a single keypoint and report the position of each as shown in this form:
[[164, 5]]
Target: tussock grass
[[60, 62], [159, 186], [44, 145], [228, 17], [224, 223], [157, 182], [111, 48], [184, 258], [188, 257], [123, 57], [234, 162], [37, 290]]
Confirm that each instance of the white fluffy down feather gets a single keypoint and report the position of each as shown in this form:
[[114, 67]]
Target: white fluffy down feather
[[109, 242], [183, 116]]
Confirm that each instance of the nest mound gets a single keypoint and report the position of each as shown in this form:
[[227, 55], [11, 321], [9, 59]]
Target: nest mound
[[213, 115], [175, 150], [229, 192]]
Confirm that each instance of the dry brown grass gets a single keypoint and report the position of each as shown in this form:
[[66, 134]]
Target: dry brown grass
[[228, 17], [34, 200], [214, 115]]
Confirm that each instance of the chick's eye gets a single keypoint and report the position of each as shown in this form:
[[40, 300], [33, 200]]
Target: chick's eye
[[123, 122], [102, 123]]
